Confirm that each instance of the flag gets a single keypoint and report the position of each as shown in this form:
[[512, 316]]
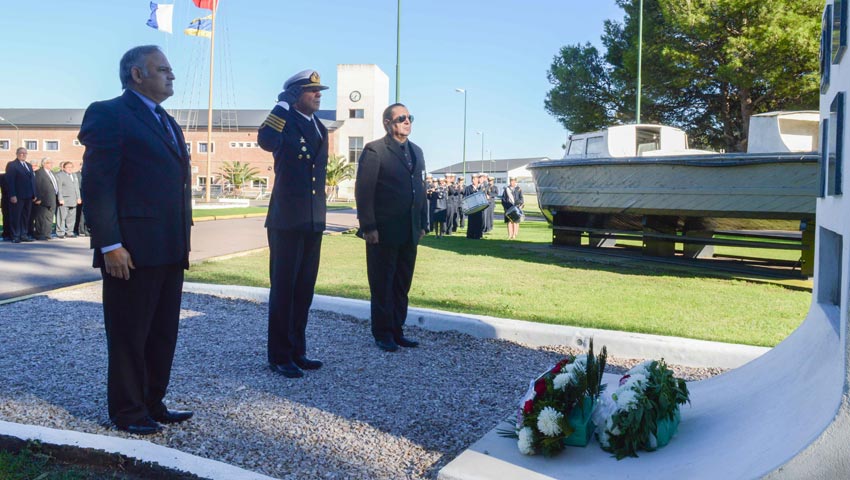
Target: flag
[[200, 27], [161, 17], [208, 4]]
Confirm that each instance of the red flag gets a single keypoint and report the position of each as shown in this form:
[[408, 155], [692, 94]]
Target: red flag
[[208, 4]]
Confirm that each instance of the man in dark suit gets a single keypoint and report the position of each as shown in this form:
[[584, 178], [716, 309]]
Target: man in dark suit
[[4, 207], [46, 189], [138, 203], [20, 180], [296, 218], [393, 215]]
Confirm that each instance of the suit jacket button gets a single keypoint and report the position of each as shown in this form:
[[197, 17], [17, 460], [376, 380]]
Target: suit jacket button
[[314, 192], [314, 179]]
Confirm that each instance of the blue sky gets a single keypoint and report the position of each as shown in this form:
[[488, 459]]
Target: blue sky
[[64, 54]]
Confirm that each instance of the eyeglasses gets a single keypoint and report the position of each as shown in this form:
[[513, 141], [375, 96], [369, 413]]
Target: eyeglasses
[[403, 118]]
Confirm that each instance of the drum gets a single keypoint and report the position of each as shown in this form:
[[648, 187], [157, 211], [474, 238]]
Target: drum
[[475, 203], [514, 214]]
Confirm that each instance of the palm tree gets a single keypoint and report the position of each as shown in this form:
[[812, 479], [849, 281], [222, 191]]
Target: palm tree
[[238, 174], [339, 170]]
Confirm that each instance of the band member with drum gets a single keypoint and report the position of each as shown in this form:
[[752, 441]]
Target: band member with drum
[[475, 228], [512, 197]]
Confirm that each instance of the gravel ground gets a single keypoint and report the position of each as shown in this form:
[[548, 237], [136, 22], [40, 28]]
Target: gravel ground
[[366, 414]]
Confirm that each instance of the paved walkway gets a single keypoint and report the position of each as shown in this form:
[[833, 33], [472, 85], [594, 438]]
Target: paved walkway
[[35, 267]]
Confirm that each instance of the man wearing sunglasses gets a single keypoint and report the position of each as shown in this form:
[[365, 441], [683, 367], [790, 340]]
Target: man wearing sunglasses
[[393, 215]]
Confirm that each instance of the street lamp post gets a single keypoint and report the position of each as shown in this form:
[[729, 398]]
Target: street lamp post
[[463, 91], [398, 54], [639, 62], [17, 131], [482, 148]]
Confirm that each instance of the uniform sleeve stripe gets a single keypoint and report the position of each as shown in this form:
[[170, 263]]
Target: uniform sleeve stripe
[[275, 123]]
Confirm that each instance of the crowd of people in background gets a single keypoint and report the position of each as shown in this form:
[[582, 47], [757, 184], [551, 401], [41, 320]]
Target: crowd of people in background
[[446, 212], [40, 200]]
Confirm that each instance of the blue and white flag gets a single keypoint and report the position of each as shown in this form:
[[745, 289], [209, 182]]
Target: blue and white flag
[[161, 16], [200, 27]]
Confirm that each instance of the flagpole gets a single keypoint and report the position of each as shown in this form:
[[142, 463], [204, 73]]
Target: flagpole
[[210, 104]]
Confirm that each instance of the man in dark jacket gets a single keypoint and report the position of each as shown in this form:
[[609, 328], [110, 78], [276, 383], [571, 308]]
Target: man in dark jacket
[[296, 218], [393, 215], [137, 198], [45, 208], [20, 180]]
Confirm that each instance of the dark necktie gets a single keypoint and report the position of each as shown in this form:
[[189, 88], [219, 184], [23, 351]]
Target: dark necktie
[[407, 160], [163, 120]]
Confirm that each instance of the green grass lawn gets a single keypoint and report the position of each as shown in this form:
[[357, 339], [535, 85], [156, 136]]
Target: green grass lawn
[[529, 280], [221, 212]]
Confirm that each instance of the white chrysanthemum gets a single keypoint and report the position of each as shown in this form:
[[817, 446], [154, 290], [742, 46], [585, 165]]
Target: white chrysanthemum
[[562, 380], [547, 421], [580, 360], [641, 368], [526, 441], [635, 382], [626, 399], [603, 410]]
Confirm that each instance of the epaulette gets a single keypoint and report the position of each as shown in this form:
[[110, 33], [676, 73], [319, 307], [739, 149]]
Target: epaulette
[[274, 122]]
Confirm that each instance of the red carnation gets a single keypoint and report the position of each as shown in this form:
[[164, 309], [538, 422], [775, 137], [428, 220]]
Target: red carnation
[[624, 378], [528, 407], [560, 366], [540, 387]]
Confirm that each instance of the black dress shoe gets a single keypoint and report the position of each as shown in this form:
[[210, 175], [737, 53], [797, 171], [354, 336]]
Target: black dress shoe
[[306, 364], [145, 426], [288, 370], [386, 345], [173, 416], [28, 239], [406, 342]]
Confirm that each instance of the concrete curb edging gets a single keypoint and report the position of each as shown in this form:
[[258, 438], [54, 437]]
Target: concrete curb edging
[[680, 351], [140, 449]]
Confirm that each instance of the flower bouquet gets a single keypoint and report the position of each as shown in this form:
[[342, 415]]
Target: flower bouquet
[[556, 410], [644, 411]]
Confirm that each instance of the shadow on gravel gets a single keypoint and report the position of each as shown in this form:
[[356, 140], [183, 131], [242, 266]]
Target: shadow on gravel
[[365, 414]]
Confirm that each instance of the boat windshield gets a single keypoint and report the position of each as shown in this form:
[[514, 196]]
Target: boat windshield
[[647, 139], [576, 147]]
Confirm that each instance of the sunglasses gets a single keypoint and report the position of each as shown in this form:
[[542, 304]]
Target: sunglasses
[[403, 118]]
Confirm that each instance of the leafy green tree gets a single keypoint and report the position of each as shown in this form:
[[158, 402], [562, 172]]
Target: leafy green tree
[[708, 66], [339, 170], [238, 173]]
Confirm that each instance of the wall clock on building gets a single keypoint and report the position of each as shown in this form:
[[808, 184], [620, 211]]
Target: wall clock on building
[[354, 96]]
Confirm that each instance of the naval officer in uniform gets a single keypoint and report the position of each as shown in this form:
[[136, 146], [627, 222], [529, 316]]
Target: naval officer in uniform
[[296, 218]]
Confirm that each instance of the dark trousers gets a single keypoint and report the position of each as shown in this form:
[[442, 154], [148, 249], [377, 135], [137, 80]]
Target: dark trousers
[[7, 218], [293, 267], [80, 227], [44, 216], [141, 316], [390, 272], [476, 225], [20, 213]]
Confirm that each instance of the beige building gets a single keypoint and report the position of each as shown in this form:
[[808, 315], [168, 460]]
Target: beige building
[[362, 94]]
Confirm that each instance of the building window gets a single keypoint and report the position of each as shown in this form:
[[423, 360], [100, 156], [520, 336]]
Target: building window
[[835, 147], [51, 145], [202, 147], [825, 48], [202, 181], [829, 271], [839, 29], [355, 146], [5, 145], [31, 145], [77, 143], [356, 113], [824, 156]]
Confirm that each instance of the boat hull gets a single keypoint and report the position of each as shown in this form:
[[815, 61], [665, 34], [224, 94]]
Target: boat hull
[[770, 186]]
